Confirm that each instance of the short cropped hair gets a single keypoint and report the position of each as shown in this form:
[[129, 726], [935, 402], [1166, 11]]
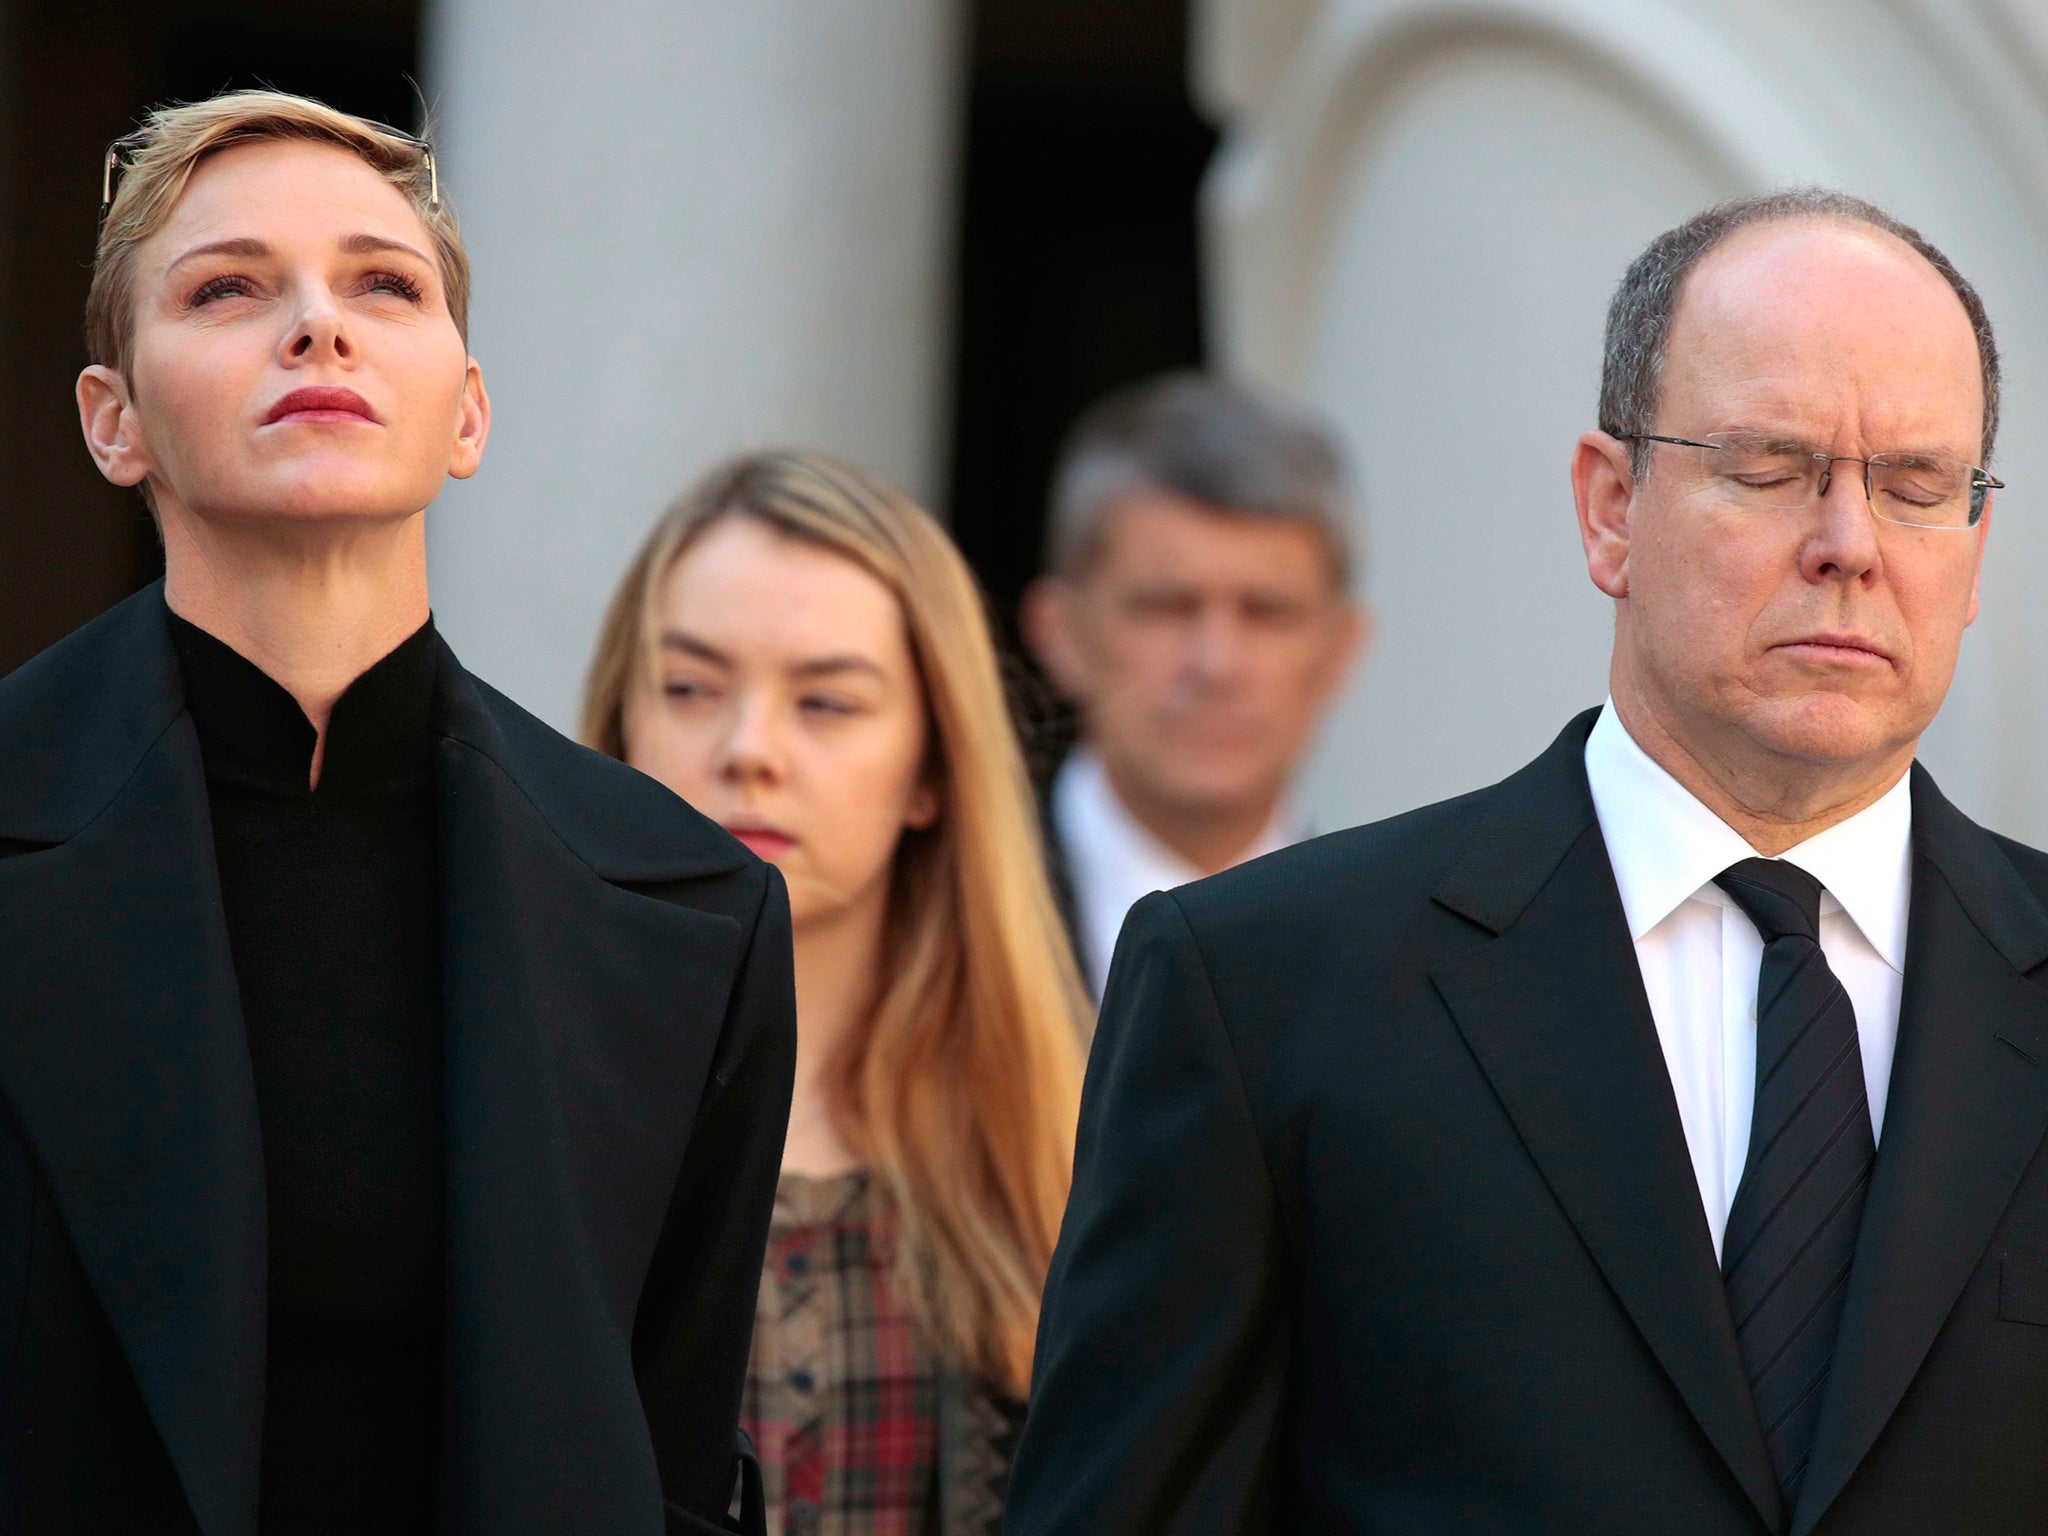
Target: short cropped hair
[[1639, 318], [1213, 441], [174, 140]]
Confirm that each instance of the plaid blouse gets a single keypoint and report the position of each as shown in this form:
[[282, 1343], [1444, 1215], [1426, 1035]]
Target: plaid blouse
[[842, 1397]]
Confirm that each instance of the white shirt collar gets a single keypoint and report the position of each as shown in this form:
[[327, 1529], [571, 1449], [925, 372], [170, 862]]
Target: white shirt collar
[[1113, 861], [1666, 847], [1105, 838]]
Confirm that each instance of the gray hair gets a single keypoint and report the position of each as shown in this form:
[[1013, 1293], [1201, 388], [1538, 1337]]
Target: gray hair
[[1639, 319], [1219, 443]]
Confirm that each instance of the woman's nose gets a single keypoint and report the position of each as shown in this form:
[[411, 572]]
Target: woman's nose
[[319, 331], [753, 748]]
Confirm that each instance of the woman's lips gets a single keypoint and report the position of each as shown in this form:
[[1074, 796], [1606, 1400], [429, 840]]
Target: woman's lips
[[763, 842], [321, 402]]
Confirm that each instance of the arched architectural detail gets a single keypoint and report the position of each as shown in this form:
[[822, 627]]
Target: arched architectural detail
[[1271, 194], [1350, 260]]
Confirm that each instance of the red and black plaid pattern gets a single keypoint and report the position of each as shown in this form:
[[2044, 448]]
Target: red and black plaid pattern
[[842, 1397]]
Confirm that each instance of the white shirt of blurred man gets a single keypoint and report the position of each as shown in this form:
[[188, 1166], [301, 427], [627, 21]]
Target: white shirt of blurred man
[[1198, 611]]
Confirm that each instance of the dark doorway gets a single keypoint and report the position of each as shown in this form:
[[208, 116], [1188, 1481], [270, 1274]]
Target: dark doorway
[[72, 77], [1077, 252]]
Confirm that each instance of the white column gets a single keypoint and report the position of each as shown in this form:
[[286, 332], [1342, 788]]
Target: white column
[[1419, 212], [697, 226]]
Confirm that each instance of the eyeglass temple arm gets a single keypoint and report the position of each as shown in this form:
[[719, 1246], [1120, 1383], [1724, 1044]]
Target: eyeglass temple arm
[[114, 151], [1652, 437]]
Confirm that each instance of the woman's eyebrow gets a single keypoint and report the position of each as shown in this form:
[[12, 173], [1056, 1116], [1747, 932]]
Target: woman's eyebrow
[[690, 645], [374, 245], [241, 245], [830, 666], [686, 644], [247, 246]]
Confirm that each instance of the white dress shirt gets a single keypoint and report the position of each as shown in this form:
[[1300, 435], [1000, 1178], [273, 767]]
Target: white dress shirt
[[1700, 954], [1112, 862]]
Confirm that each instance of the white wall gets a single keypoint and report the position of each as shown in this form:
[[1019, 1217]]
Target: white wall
[[697, 225], [1416, 220]]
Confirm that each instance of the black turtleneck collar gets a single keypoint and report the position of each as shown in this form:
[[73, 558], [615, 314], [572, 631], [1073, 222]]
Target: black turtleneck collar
[[252, 733], [332, 904]]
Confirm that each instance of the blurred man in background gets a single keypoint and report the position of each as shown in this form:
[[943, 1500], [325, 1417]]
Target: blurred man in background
[[1197, 609]]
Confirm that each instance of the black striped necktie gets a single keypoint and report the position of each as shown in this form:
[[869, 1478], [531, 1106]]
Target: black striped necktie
[[1792, 1230]]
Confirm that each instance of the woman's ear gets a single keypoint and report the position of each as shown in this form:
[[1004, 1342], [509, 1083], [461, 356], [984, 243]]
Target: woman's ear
[[922, 811], [107, 417], [473, 426]]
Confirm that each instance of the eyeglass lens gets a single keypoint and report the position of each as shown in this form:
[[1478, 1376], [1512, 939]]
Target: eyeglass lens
[[1919, 489]]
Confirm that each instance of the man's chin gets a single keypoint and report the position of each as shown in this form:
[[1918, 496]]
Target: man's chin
[[1829, 727], [1211, 796]]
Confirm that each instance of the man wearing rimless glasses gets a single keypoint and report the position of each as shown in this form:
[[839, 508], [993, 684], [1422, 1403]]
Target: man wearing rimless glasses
[[1654, 1140], [392, 1092]]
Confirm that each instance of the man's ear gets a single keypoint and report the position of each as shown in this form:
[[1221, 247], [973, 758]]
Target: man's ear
[[106, 415], [1977, 570], [473, 426], [1604, 487], [1047, 617], [1350, 648]]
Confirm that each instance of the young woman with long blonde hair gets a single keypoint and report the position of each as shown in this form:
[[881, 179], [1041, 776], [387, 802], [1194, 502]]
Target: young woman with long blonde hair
[[800, 652]]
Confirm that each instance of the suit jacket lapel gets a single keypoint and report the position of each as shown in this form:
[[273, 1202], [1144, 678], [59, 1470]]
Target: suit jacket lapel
[[1554, 1011], [574, 1006], [1967, 1110], [121, 1044]]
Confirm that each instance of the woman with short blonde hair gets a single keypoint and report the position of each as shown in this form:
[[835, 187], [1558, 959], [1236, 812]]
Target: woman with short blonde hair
[[312, 945], [800, 651]]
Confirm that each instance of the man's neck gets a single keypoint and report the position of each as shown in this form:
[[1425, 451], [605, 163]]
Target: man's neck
[[313, 608], [1209, 838], [1772, 805]]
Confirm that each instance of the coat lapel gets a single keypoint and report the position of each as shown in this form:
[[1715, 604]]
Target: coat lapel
[[1554, 1010], [574, 1006], [1967, 1110], [121, 1044]]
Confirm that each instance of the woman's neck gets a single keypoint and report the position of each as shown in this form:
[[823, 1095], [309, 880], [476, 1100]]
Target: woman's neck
[[838, 966], [314, 608]]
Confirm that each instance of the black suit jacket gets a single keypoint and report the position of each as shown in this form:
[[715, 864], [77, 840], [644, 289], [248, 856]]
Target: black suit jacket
[[1383, 1219], [619, 1044], [1059, 874]]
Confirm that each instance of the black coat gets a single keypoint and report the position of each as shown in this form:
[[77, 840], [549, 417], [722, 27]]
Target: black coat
[[619, 1040], [1384, 1221]]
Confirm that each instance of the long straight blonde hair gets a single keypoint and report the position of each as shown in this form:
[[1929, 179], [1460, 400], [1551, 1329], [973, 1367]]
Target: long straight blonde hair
[[960, 1090]]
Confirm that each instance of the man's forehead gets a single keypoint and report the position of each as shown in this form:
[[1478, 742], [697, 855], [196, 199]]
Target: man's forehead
[[1164, 528], [1799, 281], [1791, 326]]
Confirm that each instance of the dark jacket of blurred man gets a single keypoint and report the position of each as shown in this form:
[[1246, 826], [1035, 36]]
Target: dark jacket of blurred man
[[391, 1091], [1198, 611], [1654, 1140]]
